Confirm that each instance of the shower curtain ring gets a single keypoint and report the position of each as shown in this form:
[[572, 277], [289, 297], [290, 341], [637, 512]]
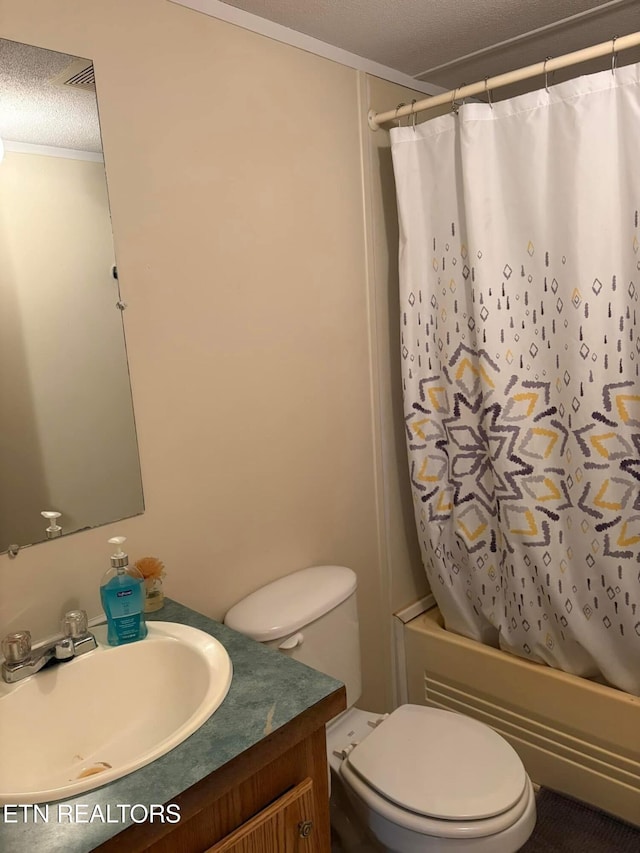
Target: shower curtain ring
[[487, 91], [454, 107], [395, 118], [546, 73], [413, 115], [614, 55]]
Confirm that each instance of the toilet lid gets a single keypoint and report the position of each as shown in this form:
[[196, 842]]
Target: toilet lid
[[440, 764]]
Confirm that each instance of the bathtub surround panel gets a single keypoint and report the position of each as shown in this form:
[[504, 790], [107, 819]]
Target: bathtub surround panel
[[234, 172], [407, 580], [575, 736], [401, 575]]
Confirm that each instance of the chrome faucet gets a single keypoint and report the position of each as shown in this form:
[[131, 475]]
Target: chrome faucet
[[20, 660]]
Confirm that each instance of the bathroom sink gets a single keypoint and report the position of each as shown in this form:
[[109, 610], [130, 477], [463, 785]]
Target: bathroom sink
[[77, 725]]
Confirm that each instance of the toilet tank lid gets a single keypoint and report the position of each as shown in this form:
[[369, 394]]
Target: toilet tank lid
[[289, 603]]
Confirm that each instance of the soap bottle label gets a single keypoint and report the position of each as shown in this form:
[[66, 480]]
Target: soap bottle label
[[127, 627]]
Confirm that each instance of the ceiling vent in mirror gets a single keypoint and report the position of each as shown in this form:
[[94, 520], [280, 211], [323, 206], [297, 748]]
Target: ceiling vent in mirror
[[78, 75]]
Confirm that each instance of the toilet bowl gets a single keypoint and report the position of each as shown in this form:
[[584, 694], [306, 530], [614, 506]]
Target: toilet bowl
[[423, 779], [417, 780]]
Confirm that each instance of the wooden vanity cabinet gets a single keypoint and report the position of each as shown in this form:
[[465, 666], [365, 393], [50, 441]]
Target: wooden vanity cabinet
[[272, 798], [288, 825]]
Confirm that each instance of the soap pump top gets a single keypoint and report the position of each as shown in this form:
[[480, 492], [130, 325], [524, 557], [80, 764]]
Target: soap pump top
[[119, 560], [53, 530], [120, 564]]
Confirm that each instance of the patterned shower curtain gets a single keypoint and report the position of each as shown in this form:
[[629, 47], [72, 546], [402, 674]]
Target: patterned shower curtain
[[520, 275]]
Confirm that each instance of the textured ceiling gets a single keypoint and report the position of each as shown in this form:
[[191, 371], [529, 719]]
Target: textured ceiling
[[36, 109], [417, 37], [444, 42]]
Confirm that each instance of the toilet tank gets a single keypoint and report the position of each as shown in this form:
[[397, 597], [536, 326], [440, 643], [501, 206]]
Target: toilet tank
[[311, 616]]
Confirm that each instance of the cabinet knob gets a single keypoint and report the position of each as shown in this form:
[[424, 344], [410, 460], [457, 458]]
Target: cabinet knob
[[305, 828]]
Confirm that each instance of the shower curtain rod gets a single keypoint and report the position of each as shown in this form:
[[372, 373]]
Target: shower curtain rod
[[613, 46]]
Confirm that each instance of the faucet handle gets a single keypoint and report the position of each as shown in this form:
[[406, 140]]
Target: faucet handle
[[75, 624], [16, 647]]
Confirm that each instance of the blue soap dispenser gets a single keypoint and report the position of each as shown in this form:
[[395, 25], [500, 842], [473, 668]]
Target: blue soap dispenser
[[122, 596]]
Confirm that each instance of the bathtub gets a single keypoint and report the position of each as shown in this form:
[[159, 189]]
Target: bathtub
[[574, 735]]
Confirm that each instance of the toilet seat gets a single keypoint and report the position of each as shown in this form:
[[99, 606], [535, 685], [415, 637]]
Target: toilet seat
[[439, 765], [435, 827]]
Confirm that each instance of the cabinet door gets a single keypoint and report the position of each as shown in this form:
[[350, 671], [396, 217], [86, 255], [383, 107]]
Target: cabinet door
[[286, 826]]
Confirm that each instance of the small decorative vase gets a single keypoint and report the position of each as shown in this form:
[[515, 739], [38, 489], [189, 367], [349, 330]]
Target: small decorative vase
[[152, 570], [154, 596]]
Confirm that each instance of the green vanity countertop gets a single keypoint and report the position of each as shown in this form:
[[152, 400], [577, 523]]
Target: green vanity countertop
[[267, 691]]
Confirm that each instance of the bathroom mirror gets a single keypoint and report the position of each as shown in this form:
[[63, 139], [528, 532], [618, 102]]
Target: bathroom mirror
[[67, 431]]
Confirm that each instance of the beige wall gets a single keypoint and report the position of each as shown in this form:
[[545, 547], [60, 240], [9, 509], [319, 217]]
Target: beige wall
[[235, 170], [67, 421]]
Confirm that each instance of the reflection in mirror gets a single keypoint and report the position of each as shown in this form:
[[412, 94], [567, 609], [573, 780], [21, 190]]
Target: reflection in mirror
[[67, 433]]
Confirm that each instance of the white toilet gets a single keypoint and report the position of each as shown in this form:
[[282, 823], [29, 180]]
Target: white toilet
[[419, 779]]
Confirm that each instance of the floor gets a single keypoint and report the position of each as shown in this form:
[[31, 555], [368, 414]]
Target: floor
[[562, 826], [567, 826]]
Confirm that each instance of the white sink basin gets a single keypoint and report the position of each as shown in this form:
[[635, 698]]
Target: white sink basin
[[77, 725]]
